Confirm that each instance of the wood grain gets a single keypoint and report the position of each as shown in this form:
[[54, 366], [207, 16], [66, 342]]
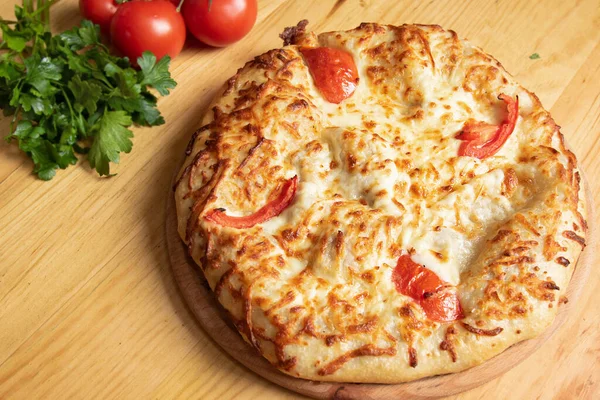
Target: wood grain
[[215, 321], [88, 304]]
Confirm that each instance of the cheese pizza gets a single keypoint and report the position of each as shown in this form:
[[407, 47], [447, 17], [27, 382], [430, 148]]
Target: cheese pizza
[[381, 205]]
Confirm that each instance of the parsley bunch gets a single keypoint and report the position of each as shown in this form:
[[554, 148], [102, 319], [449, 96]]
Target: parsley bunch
[[67, 94]]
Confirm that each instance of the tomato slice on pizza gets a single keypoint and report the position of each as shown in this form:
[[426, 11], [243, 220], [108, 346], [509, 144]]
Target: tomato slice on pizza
[[437, 298], [334, 72], [272, 209], [482, 140]]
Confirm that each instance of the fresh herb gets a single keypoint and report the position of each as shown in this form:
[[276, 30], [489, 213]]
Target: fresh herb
[[534, 56], [67, 94]]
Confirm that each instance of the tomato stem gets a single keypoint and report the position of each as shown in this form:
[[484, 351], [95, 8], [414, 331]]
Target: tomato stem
[[179, 6]]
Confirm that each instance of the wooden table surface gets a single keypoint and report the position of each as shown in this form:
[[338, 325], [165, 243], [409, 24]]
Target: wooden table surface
[[88, 304]]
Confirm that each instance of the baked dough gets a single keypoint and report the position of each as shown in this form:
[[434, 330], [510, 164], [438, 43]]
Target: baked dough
[[378, 176]]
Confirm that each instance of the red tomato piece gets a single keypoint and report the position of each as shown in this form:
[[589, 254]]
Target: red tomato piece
[[99, 12], [482, 140], [155, 26], [443, 305], [437, 298], [272, 209], [219, 22], [334, 72]]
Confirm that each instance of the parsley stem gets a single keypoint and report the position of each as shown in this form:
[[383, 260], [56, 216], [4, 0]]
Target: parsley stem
[[44, 8], [68, 104], [45, 17], [40, 4], [14, 119], [28, 5], [102, 79], [103, 47]]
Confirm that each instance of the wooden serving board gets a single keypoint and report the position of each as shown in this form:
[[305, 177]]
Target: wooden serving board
[[214, 320]]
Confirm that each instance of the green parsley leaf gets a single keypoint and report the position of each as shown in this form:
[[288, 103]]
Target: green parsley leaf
[[40, 106], [76, 63], [45, 168], [19, 13], [28, 136], [69, 136], [112, 138], [534, 56], [156, 74], [41, 72], [15, 96], [15, 40], [89, 33], [8, 70], [31, 141], [78, 38], [63, 154], [86, 93], [126, 80], [148, 114]]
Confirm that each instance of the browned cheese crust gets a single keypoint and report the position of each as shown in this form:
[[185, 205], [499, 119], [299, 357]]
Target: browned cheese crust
[[379, 174]]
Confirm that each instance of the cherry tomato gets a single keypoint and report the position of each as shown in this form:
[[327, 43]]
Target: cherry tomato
[[154, 25], [219, 22], [99, 12]]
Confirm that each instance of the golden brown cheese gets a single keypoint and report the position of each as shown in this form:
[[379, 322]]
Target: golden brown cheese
[[379, 174]]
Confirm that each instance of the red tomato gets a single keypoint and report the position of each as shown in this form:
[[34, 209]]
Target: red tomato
[[334, 72], [219, 22], [272, 209], [155, 25], [483, 140], [99, 12], [438, 299]]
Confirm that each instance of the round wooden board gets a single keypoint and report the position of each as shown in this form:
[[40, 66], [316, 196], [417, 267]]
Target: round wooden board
[[214, 320]]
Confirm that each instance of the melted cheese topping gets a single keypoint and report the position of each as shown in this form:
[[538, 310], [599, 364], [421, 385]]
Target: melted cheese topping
[[379, 175]]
